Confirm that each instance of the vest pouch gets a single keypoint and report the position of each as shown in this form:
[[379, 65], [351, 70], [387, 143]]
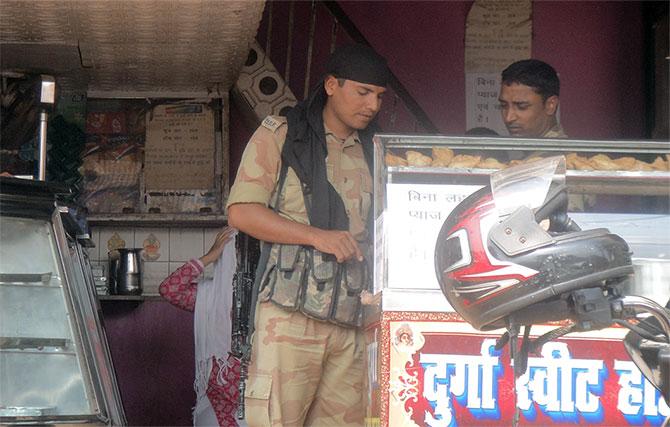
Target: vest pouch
[[321, 281], [267, 284], [348, 309], [357, 275], [287, 275], [288, 257]]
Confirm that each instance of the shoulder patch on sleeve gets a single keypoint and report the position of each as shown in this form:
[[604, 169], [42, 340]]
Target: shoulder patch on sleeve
[[272, 123]]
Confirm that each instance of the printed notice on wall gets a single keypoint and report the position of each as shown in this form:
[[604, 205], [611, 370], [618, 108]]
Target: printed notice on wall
[[180, 149], [497, 33], [413, 218]]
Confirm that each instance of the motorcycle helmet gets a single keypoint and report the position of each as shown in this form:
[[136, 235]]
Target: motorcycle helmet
[[493, 265]]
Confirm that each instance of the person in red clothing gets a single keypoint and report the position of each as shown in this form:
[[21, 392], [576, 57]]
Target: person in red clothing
[[221, 389]]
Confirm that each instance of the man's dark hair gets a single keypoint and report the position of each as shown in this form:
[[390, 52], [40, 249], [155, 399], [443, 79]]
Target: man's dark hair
[[534, 73]]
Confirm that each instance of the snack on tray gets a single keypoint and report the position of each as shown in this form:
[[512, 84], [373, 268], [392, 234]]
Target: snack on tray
[[571, 158], [532, 158], [491, 163], [414, 158], [583, 165], [517, 162], [440, 163], [442, 154], [625, 163], [445, 157], [464, 161], [642, 166], [603, 163], [393, 160], [660, 164]]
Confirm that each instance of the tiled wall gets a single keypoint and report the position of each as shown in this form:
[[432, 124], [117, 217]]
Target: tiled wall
[[168, 248]]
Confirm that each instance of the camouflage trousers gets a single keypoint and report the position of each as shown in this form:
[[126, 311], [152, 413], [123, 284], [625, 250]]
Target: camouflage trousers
[[304, 372]]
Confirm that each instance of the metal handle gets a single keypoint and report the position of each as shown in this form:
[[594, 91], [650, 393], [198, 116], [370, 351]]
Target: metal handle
[[42, 165], [648, 306]]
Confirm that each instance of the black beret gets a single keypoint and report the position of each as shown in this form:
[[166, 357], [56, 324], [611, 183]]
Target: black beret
[[359, 63]]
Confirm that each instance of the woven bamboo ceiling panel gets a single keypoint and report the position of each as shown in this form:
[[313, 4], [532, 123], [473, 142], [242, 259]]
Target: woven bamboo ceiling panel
[[130, 46]]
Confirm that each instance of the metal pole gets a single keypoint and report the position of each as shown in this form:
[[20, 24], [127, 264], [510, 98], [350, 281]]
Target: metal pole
[[42, 159], [310, 46], [289, 43]]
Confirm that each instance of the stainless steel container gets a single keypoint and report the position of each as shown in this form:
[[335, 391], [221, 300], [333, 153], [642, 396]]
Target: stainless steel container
[[113, 257], [125, 271]]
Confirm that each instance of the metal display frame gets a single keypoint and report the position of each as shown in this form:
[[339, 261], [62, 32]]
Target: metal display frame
[[396, 377]]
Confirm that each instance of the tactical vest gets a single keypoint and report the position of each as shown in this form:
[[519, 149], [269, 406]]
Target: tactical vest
[[300, 278]]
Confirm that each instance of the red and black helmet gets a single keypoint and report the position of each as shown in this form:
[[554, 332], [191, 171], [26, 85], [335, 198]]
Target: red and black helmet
[[491, 267]]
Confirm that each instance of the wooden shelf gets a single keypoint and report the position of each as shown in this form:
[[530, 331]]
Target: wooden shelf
[[121, 297], [159, 219], [129, 298], [139, 298]]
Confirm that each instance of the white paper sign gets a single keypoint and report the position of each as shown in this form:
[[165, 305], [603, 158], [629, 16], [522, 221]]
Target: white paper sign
[[481, 102], [413, 218]]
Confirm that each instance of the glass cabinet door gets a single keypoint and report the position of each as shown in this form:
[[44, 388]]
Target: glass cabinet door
[[97, 352], [43, 370]]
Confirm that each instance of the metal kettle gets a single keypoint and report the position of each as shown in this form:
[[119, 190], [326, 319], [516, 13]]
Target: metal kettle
[[125, 271]]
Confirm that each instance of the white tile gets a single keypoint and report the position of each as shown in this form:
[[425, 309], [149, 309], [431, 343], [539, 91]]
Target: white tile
[[153, 273], [156, 243], [94, 253], [99, 267], [108, 235], [186, 243], [98, 263]]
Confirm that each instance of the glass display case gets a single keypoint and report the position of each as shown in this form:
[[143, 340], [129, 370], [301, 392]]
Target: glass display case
[[55, 365], [621, 185], [427, 366]]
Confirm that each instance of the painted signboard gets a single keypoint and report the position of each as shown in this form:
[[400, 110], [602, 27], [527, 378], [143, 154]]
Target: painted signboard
[[435, 370]]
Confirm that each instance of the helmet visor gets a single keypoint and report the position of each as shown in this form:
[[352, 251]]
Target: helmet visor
[[527, 184]]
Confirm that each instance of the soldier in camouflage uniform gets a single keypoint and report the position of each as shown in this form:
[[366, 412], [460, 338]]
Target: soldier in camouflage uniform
[[529, 101], [304, 187]]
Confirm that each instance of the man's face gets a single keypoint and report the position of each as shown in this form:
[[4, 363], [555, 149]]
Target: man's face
[[524, 112], [351, 106]]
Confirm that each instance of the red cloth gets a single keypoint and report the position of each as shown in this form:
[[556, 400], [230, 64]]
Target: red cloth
[[180, 289], [224, 397]]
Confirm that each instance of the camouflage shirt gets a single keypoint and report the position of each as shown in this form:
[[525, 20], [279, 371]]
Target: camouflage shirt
[[555, 132], [257, 176]]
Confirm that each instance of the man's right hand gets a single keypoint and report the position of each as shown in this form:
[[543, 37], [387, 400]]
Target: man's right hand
[[339, 243], [264, 224]]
